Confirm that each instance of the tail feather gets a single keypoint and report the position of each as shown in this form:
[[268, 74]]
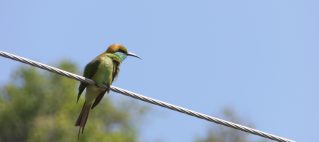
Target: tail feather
[[81, 121]]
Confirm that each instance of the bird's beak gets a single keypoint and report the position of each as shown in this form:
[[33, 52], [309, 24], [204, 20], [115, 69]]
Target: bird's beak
[[133, 54]]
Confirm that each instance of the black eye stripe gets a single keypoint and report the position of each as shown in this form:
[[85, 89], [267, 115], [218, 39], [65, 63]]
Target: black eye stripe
[[121, 51]]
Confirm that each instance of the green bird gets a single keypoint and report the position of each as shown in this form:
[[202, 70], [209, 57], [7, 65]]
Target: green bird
[[103, 70]]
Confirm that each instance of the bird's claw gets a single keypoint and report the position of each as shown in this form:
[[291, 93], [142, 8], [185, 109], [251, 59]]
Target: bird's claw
[[102, 85]]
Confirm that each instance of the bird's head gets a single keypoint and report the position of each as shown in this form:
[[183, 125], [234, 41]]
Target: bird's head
[[120, 50]]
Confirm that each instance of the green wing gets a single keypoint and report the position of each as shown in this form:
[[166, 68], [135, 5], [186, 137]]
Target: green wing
[[89, 71], [116, 69]]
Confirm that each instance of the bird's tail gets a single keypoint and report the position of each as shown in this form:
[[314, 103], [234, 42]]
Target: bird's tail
[[81, 121]]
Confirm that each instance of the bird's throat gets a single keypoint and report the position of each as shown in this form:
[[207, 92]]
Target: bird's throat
[[121, 56]]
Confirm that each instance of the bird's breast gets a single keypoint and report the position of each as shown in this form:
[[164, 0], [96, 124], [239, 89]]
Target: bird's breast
[[103, 74]]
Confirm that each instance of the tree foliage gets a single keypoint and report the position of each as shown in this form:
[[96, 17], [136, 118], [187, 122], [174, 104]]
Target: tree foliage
[[38, 106], [225, 134]]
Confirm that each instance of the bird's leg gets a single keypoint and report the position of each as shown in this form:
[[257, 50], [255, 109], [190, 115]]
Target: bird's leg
[[108, 86], [101, 85]]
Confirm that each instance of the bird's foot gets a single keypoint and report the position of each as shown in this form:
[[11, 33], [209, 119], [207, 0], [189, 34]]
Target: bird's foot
[[102, 85]]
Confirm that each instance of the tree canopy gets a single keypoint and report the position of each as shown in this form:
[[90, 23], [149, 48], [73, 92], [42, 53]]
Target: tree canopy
[[37, 106], [219, 133]]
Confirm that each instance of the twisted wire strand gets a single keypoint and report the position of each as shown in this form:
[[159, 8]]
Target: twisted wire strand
[[146, 99]]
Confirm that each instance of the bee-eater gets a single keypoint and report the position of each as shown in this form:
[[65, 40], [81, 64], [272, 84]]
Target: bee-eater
[[103, 70]]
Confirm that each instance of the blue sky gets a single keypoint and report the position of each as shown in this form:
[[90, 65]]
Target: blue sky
[[259, 57]]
